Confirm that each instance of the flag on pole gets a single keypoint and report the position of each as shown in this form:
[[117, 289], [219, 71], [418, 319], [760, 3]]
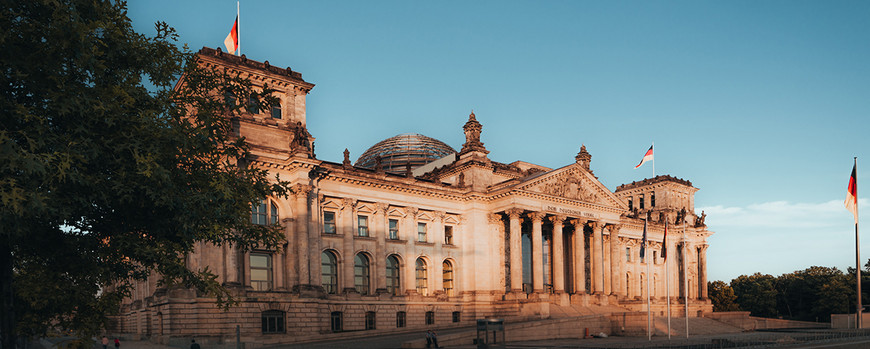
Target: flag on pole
[[852, 194], [646, 157], [232, 40], [665, 243], [643, 243]]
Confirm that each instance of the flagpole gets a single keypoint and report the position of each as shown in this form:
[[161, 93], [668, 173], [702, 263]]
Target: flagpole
[[686, 278], [238, 30], [857, 250], [667, 277], [654, 159]]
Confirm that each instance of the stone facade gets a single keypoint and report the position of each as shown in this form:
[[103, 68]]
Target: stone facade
[[376, 251]]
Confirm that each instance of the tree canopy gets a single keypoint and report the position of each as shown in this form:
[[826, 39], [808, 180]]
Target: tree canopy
[[107, 172]]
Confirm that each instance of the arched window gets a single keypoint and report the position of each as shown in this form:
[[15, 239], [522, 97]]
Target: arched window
[[361, 273], [276, 109], [393, 272], [447, 277], [260, 215], [422, 280], [329, 272]]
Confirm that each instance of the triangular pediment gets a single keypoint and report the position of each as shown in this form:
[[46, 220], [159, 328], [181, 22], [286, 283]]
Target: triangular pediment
[[571, 182]]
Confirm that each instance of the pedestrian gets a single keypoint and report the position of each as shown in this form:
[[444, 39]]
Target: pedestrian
[[431, 339], [194, 344], [105, 342], [117, 343]]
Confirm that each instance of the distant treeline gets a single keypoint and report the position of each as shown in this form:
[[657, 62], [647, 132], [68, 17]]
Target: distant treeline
[[812, 294]]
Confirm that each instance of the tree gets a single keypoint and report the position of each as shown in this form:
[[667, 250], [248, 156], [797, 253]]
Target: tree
[[756, 293], [104, 180], [722, 296], [813, 293]]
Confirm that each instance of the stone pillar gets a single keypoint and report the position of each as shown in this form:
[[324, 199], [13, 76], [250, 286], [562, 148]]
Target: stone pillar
[[302, 252], [606, 263], [598, 258], [411, 256], [516, 249], [497, 227], [702, 269], [617, 257], [379, 260], [558, 254], [537, 252], [346, 226], [579, 257]]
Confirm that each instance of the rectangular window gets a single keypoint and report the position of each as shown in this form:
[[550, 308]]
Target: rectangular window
[[421, 232], [394, 229], [655, 257], [261, 271], [641, 202], [628, 254], [455, 316], [272, 321], [400, 319], [362, 225], [652, 199], [258, 212], [630, 204], [328, 222], [430, 317], [370, 320], [448, 235], [335, 322]]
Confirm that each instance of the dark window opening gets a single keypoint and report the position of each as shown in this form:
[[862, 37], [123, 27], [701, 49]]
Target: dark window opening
[[272, 321], [370, 320], [400, 319], [430, 317], [455, 316], [335, 321]]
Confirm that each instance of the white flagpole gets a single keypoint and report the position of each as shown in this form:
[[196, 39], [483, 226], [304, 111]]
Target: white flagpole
[[238, 30], [857, 251], [654, 159], [667, 279]]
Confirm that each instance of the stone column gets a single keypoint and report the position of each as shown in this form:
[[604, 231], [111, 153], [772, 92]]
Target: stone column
[[558, 254], [346, 226], [379, 260], [617, 257], [598, 258], [516, 249], [302, 252], [579, 257], [497, 227], [702, 269], [606, 263], [411, 254], [537, 252]]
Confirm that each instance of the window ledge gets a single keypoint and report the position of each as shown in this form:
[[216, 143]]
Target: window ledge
[[424, 243], [371, 238], [397, 241]]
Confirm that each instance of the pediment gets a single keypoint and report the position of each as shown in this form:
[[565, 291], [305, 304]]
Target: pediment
[[573, 183]]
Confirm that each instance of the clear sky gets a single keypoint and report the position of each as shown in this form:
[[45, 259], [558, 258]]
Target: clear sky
[[761, 104]]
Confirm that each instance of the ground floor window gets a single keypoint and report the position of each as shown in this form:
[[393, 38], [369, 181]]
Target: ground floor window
[[455, 316], [430, 317], [272, 321], [335, 321], [370, 320], [400, 319]]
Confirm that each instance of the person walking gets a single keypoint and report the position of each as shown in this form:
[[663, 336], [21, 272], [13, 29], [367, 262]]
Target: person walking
[[105, 342], [117, 343], [194, 344]]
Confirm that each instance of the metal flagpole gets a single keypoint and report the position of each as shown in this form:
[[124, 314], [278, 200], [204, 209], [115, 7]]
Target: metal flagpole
[[686, 278], [238, 30], [857, 251], [667, 278], [654, 159]]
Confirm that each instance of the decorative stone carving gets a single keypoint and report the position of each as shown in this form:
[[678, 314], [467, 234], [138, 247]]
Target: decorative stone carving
[[583, 157], [346, 162], [472, 130], [514, 212], [699, 221], [536, 216], [571, 187]]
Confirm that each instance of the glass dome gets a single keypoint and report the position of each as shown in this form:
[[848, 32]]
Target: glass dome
[[395, 153]]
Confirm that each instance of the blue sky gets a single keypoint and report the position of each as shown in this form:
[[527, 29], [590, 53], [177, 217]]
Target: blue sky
[[761, 104]]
